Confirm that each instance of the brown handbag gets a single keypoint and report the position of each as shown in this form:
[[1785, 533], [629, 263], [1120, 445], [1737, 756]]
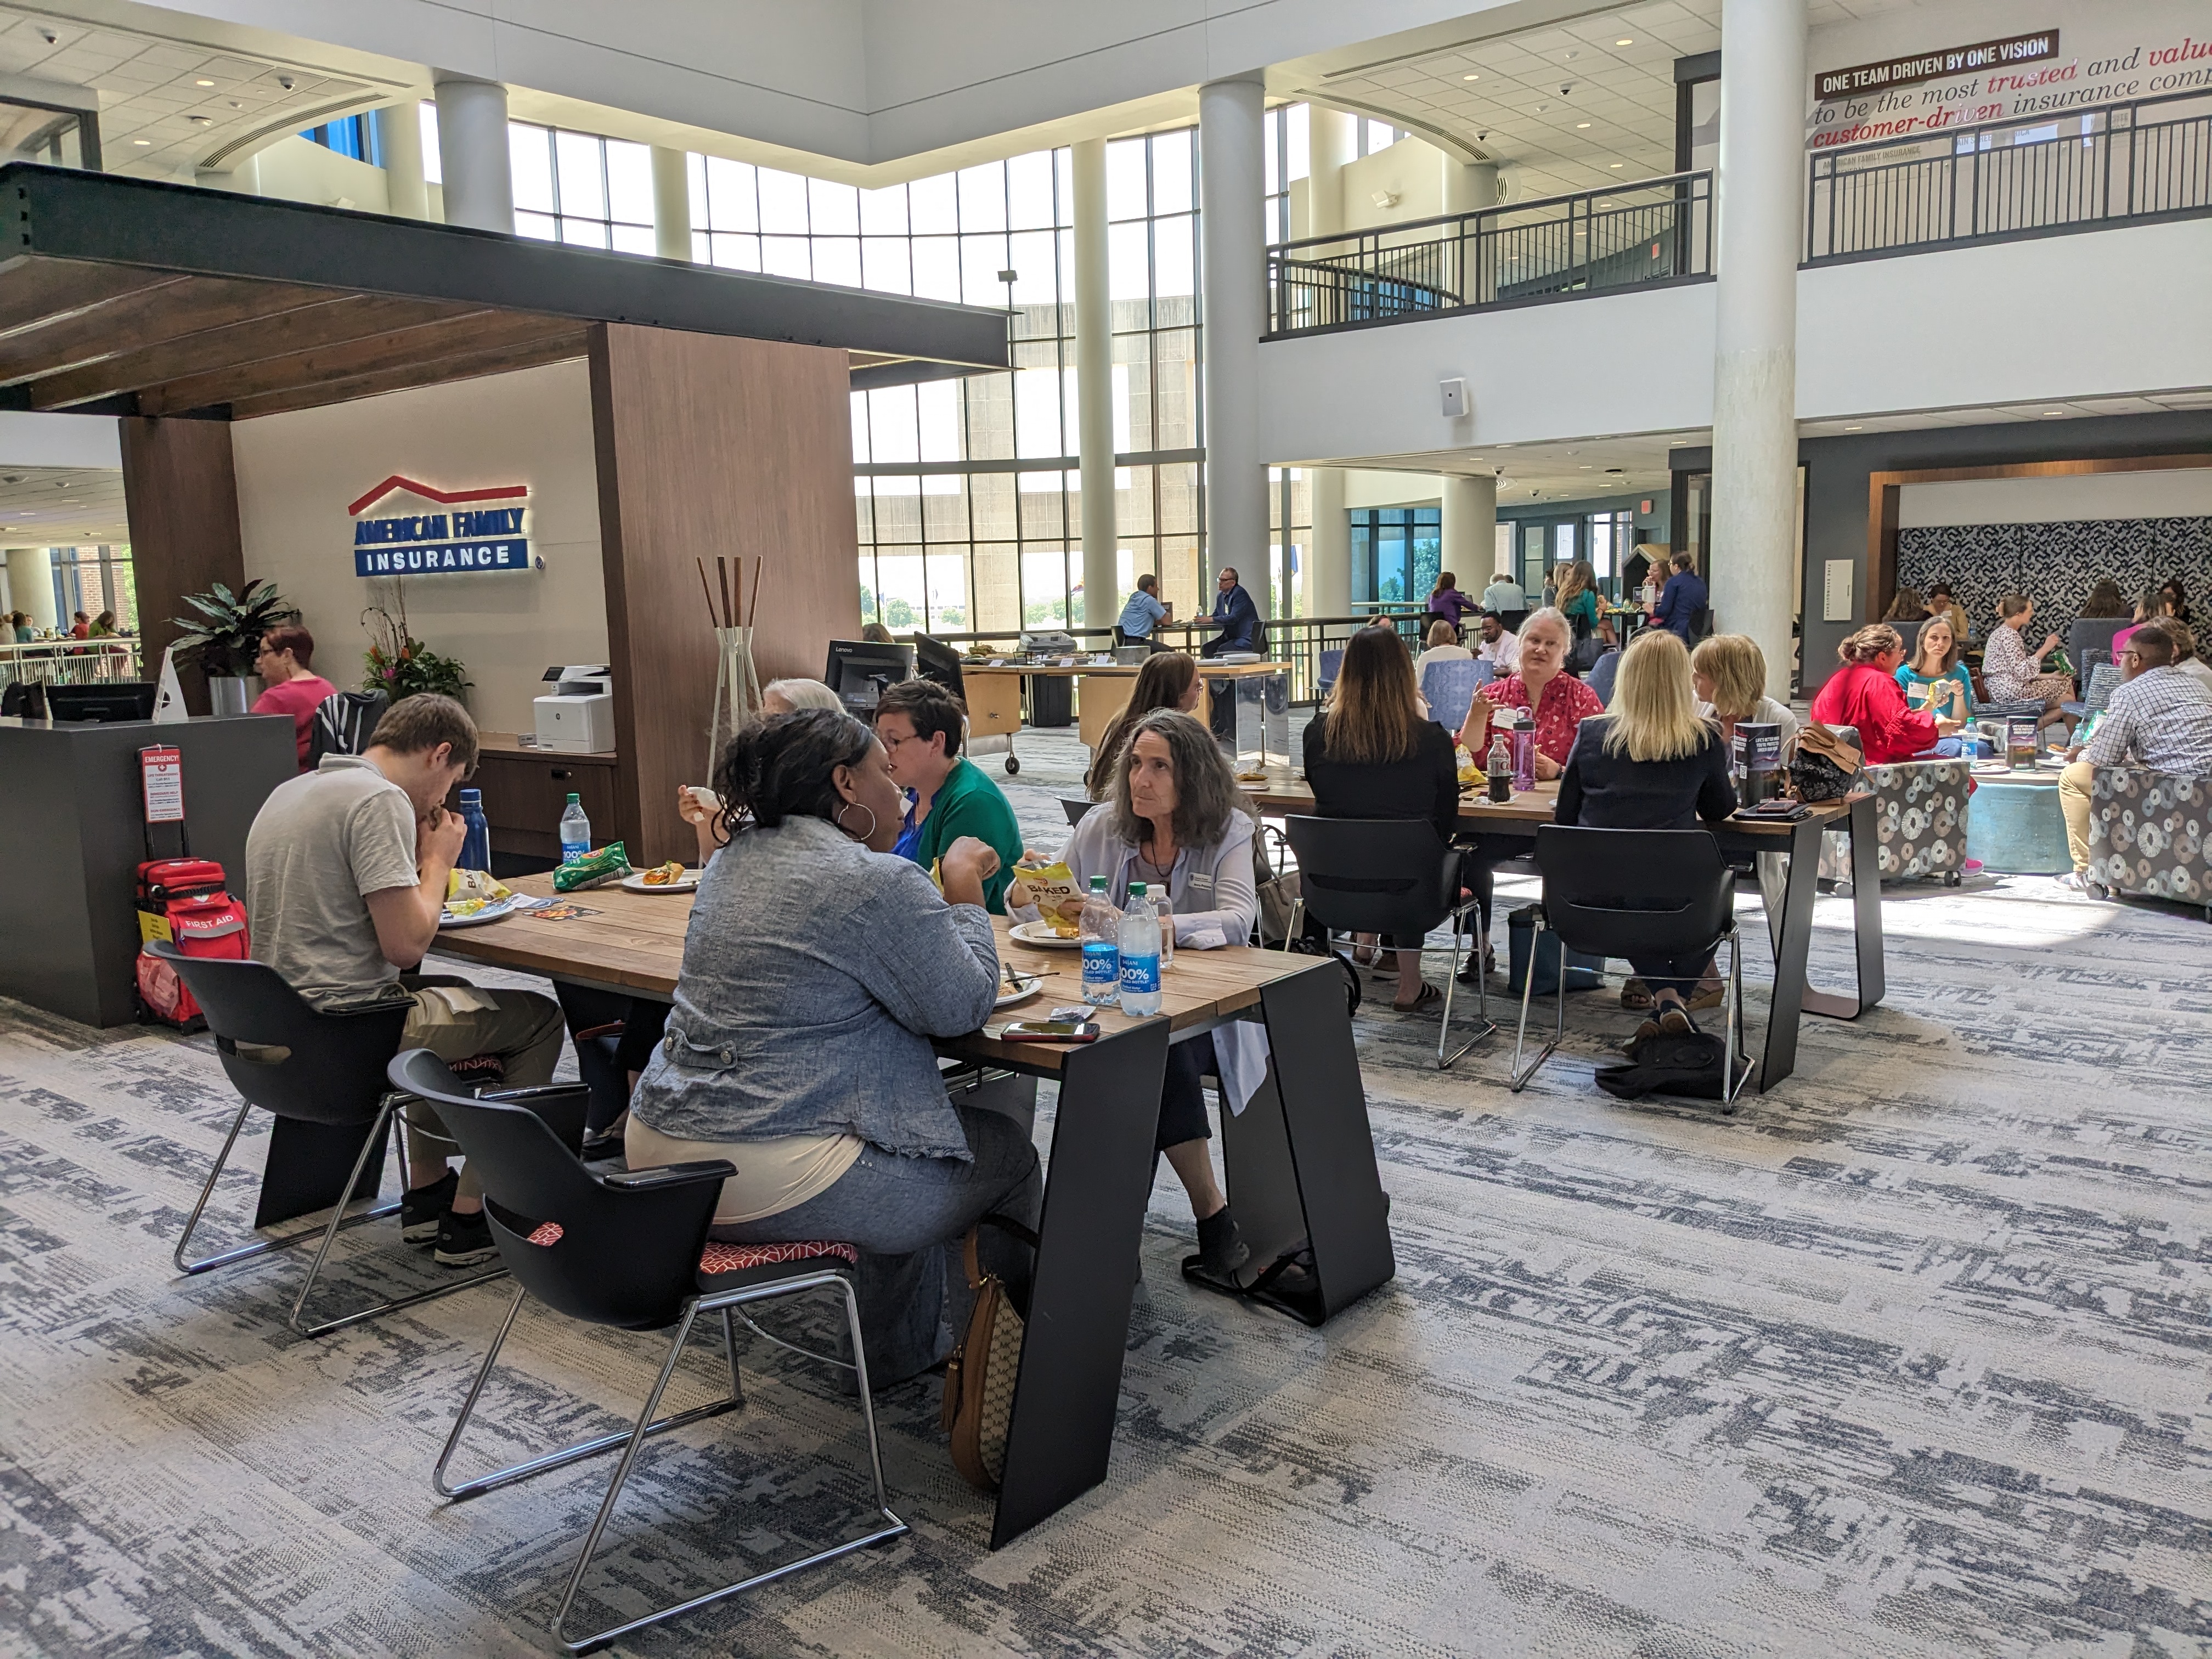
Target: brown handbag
[[979, 1378]]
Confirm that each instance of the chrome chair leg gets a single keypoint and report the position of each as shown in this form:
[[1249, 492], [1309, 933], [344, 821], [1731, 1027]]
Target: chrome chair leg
[[1528, 985], [1482, 1000], [1297, 921], [730, 1351], [892, 1527], [574, 1454], [264, 1246]]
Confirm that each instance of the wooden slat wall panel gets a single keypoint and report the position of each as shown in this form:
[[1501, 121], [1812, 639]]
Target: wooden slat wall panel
[[710, 445], [557, 348], [182, 495]]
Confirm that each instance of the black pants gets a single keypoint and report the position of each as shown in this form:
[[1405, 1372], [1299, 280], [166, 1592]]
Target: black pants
[[1679, 974], [1182, 1098], [642, 1019], [1478, 863]]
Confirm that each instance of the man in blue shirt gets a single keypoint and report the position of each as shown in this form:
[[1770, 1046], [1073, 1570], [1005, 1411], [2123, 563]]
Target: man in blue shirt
[[1144, 611], [1235, 615], [1681, 599]]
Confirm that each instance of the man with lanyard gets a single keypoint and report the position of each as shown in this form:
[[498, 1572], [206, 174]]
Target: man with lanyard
[[1238, 619]]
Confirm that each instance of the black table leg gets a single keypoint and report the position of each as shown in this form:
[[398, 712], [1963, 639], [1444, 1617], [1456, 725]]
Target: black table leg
[[1301, 1157], [307, 1167], [1866, 921], [1793, 944], [1061, 1431]]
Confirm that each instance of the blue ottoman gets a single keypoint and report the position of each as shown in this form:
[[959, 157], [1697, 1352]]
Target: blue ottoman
[[2015, 827]]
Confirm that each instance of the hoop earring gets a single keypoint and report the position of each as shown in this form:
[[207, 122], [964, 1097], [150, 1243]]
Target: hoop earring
[[838, 820]]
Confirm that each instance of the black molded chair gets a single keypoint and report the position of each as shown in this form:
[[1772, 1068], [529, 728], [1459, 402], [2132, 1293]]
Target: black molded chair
[[1635, 893], [626, 1249], [1385, 876], [331, 1075], [1076, 810]]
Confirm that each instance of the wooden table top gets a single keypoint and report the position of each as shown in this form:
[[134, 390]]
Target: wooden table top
[[1284, 790], [1213, 670], [635, 943]]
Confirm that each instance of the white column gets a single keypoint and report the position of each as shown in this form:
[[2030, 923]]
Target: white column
[[1470, 532], [31, 583], [671, 203], [473, 156], [1094, 389], [399, 134], [1331, 136], [1759, 199], [1469, 187], [1232, 279]]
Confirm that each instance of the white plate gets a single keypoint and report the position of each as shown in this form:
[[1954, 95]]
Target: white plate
[[1038, 935], [635, 883], [491, 913], [1007, 999]]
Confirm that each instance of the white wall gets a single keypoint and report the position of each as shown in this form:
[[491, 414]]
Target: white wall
[[300, 170], [2182, 493], [297, 472], [1410, 170], [34, 439]]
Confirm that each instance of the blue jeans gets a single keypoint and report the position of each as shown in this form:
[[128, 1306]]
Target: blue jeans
[[907, 1217]]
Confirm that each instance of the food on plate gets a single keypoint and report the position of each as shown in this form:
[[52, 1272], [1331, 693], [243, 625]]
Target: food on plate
[[1051, 888], [461, 909], [1251, 777], [609, 863], [666, 875], [468, 891]]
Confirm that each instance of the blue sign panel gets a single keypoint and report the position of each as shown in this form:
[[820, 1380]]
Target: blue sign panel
[[438, 558]]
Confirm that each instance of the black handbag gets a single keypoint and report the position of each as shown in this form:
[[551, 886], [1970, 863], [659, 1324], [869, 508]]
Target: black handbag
[[1822, 766]]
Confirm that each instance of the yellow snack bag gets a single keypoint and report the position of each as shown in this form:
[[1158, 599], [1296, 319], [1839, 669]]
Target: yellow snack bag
[[1052, 887], [463, 885]]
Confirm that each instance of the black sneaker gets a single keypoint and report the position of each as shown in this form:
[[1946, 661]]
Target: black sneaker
[[1221, 1249], [465, 1240], [1674, 1020], [422, 1209]]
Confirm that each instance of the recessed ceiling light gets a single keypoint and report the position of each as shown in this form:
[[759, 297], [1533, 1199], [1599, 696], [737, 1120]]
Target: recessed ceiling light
[[1582, 126], [203, 83], [142, 141], [2054, 412], [1470, 77], [1572, 55], [1541, 108], [1587, 467], [1853, 429], [1614, 164], [202, 120], [1624, 41]]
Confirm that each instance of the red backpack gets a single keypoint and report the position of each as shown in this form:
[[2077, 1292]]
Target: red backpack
[[183, 901]]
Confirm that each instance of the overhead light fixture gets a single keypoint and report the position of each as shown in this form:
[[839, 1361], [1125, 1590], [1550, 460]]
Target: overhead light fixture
[[203, 83], [202, 120], [1624, 41], [2054, 412], [1572, 55], [1582, 126], [1470, 77], [142, 141], [1614, 164]]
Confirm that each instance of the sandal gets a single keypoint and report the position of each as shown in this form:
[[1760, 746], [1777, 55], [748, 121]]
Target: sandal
[[1704, 998], [1636, 994], [1429, 997], [1367, 955]]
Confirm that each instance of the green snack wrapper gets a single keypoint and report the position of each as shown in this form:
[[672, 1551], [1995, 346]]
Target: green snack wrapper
[[609, 863]]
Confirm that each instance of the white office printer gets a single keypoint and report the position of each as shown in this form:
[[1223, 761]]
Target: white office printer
[[578, 718]]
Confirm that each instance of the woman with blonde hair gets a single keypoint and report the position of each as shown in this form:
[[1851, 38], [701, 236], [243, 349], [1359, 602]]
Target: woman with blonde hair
[[1372, 754], [1649, 763], [1443, 646], [1729, 673]]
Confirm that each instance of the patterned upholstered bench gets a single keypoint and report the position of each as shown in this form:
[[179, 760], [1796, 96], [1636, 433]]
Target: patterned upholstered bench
[[2148, 835]]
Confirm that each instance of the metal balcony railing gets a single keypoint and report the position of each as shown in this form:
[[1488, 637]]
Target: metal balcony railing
[[71, 662], [1653, 230], [2078, 170]]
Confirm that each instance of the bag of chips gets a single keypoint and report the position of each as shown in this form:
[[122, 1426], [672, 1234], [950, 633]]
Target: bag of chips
[[609, 863], [1053, 890]]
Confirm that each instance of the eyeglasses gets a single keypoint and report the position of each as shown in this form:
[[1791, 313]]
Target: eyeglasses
[[891, 744]]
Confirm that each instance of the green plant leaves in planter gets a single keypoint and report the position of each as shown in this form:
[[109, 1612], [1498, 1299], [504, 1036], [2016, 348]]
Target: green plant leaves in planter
[[224, 638]]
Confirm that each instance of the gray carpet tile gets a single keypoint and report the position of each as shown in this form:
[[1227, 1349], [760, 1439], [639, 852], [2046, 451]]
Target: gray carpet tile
[[1910, 1357]]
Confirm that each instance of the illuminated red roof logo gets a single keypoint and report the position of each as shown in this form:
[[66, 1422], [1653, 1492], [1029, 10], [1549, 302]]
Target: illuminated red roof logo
[[396, 483]]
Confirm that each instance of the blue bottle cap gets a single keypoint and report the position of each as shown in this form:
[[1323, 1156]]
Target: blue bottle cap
[[471, 797]]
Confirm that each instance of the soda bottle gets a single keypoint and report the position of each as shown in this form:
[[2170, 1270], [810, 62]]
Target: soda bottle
[[1140, 955], [575, 831], [1101, 927], [476, 849], [1499, 769]]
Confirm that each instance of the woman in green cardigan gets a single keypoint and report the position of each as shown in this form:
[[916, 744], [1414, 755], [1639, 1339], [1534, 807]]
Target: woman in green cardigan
[[919, 724]]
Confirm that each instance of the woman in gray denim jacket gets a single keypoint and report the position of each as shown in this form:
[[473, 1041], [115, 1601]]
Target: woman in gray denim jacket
[[816, 967]]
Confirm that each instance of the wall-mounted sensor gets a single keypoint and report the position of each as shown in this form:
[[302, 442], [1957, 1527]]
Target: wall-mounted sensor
[[1455, 399]]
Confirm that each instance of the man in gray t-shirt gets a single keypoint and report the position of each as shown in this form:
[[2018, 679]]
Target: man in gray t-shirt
[[346, 870]]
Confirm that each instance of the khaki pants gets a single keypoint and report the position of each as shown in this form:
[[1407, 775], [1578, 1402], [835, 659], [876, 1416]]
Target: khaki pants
[[2073, 786], [456, 1020]]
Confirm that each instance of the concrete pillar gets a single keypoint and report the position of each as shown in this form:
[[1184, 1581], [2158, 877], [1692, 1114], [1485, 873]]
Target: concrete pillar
[[671, 203], [1470, 532], [473, 156], [31, 584], [1094, 389], [1469, 187], [1232, 286], [1759, 201], [1332, 141], [399, 134]]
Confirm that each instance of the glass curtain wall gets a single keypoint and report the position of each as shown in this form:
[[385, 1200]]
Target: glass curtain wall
[[1396, 552], [577, 187]]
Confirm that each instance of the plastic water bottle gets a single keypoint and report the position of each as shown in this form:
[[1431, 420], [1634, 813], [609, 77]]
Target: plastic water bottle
[[1163, 906], [476, 848], [1140, 955], [1101, 925], [575, 831]]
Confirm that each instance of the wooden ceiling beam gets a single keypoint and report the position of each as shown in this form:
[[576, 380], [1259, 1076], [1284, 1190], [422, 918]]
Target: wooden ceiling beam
[[162, 311], [400, 349], [334, 319], [570, 340], [37, 292]]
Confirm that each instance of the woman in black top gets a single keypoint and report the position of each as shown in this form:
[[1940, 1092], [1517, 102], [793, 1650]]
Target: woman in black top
[[1371, 755], [1651, 764]]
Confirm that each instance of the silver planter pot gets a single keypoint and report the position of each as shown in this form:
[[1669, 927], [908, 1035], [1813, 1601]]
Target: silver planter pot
[[233, 694]]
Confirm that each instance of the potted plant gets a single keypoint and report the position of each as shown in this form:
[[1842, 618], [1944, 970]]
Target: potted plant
[[225, 638], [401, 666]]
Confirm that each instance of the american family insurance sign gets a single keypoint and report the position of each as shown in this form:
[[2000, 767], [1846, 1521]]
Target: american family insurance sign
[[403, 528]]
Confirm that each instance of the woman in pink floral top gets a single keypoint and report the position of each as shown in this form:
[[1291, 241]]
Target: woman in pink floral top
[[1562, 702]]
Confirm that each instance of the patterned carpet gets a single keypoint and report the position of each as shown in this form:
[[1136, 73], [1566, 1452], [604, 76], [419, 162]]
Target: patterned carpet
[[1909, 1357]]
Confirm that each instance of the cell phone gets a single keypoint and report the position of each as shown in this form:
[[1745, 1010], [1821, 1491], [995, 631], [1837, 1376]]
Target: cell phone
[[1050, 1031]]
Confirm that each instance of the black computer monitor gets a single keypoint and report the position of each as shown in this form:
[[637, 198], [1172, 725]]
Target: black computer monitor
[[933, 659], [109, 704], [859, 671]]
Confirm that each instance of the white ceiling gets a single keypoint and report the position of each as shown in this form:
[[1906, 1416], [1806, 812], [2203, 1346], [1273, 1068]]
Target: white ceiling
[[1615, 119], [61, 506], [150, 89]]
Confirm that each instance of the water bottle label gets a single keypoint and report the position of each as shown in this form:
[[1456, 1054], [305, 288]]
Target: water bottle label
[[1140, 975], [1101, 963], [572, 850]]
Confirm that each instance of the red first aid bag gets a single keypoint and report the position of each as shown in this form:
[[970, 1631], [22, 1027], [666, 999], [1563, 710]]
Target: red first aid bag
[[183, 901]]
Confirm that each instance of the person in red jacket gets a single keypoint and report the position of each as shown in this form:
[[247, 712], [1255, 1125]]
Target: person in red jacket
[[1864, 693]]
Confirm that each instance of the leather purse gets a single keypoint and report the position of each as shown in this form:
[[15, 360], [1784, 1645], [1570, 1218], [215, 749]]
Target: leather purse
[[979, 1377], [1822, 766]]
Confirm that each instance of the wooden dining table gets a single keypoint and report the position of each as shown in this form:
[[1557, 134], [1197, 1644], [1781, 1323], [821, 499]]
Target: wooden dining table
[[1282, 790], [1299, 1159]]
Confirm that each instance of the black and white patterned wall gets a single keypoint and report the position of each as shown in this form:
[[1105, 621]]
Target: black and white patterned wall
[[2055, 564]]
